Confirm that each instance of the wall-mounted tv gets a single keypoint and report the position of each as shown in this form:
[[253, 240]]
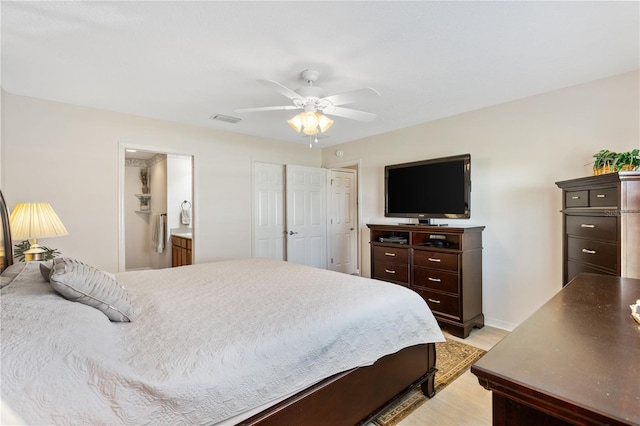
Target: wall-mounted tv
[[435, 188]]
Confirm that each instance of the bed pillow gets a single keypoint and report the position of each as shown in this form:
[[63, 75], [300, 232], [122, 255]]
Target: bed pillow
[[82, 283], [45, 270]]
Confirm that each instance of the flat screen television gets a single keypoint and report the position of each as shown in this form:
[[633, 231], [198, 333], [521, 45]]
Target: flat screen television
[[429, 189]]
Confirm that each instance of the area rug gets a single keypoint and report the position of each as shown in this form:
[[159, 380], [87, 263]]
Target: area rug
[[452, 360]]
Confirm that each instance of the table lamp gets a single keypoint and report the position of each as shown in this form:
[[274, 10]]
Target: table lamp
[[32, 221]]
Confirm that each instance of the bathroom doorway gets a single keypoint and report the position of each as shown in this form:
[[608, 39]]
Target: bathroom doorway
[[156, 208]]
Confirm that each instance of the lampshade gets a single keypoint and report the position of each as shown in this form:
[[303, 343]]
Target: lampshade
[[310, 120], [296, 122], [32, 221], [35, 220], [310, 131], [324, 122]]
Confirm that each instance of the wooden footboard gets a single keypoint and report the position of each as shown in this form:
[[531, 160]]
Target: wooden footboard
[[355, 397]]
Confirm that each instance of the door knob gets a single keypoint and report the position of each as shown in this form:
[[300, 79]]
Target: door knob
[[291, 232]]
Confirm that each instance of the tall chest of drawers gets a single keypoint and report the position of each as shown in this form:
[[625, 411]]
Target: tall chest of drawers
[[442, 264], [601, 225]]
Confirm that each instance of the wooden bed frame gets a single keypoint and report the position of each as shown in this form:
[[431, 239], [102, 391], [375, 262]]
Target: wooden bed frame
[[6, 257], [349, 398], [357, 396]]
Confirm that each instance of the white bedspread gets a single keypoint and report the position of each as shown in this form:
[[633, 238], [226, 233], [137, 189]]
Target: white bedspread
[[208, 342]]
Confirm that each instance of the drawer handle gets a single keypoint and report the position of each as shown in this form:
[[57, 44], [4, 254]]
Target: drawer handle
[[386, 253], [601, 196], [588, 251], [587, 225], [390, 271], [435, 280], [575, 197], [433, 259], [433, 300]]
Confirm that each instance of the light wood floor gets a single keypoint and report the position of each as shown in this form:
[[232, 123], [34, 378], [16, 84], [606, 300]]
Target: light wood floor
[[463, 402]]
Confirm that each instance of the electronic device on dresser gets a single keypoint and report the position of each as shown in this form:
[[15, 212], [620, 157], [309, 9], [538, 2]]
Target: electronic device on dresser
[[434, 188], [443, 265]]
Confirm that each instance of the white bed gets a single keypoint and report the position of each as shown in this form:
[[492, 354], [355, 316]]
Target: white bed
[[208, 344]]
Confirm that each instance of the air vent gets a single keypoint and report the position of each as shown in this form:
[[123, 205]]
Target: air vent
[[227, 118]]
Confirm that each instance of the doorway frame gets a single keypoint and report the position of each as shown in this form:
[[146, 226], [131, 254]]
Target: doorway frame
[[122, 147], [357, 166]]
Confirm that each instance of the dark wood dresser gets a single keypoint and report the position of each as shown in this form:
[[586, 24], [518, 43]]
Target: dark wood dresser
[[442, 264], [601, 225], [574, 361]]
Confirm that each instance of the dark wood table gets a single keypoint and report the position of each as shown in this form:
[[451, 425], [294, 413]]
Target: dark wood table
[[574, 361]]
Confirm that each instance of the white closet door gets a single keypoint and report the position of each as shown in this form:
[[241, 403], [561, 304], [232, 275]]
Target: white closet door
[[306, 206], [342, 222], [268, 218]]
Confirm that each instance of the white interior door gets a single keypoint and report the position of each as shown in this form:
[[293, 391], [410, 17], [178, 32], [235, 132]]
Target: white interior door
[[342, 222], [306, 206], [268, 218]]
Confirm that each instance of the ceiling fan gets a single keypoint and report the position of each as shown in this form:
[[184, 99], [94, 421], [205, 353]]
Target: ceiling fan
[[315, 104]]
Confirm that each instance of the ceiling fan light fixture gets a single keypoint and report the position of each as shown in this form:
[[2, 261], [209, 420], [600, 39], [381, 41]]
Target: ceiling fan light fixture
[[309, 120], [324, 122], [310, 123], [296, 122], [315, 104]]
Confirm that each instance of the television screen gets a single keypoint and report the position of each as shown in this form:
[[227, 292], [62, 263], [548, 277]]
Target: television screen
[[435, 188]]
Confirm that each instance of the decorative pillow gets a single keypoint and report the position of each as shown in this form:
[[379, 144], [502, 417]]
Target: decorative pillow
[[82, 283], [11, 272], [45, 270]]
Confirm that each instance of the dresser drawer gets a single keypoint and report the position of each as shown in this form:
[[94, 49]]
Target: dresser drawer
[[593, 227], [434, 259], [439, 302], [576, 198], [603, 197], [594, 252], [435, 279], [390, 271], [391, 254]]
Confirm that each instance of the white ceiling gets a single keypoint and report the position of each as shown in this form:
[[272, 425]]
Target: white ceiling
[[186, 61]]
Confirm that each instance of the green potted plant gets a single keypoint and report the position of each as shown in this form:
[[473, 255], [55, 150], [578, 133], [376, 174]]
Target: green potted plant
[[627, 161], [604, 161], [20, 248]]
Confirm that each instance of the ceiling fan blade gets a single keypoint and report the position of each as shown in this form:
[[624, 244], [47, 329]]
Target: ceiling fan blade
[[272, 108], [283, 90], [349, 113], [353, 96]]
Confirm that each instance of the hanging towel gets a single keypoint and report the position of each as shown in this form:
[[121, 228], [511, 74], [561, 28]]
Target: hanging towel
[[157, 232], [185, 214]]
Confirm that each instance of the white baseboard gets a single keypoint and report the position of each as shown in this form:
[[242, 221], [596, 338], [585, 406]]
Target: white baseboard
[[497, 323]]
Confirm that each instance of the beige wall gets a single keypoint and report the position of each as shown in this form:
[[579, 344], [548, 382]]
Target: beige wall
[[518, 151], [179, 189], [68, 156]]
